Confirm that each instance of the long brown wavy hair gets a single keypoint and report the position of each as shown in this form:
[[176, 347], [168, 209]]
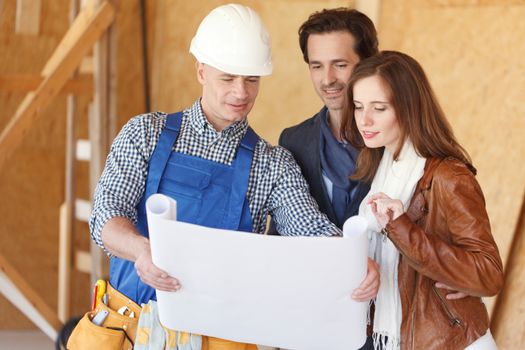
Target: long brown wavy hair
[[418, 112]]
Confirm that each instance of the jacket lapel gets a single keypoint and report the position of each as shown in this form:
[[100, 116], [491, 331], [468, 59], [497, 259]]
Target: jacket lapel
[[318, 187]]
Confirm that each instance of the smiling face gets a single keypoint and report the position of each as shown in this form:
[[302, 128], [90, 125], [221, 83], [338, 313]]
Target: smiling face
[[374, 114], [331, 60], [226, 98]]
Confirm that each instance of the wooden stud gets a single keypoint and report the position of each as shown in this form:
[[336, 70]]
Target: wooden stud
[[85, 31], [112, 81], [99, 135], [508, 323], [83, 149], [82, 210], [83, 261], [64, 262], [68, 209]]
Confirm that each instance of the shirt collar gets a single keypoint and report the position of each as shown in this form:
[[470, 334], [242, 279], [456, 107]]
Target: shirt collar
[[200, 123]]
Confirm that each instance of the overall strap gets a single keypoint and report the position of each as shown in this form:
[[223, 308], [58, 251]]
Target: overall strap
[[162, 152], [249, 140], [243, 164]]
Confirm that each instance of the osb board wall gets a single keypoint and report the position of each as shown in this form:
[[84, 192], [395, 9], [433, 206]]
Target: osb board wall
[[285, 98], [473, 53], [32, 183]]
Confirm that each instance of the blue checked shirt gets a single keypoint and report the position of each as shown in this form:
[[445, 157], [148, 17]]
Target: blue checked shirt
[[276, 185]]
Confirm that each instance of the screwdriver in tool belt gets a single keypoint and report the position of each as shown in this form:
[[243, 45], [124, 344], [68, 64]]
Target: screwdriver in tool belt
[[98, 292]]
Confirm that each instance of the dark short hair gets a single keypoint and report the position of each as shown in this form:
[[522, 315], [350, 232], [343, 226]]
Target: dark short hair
[[341, 19]]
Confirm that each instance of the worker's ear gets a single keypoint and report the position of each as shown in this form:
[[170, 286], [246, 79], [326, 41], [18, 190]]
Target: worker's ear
[[200, 71]]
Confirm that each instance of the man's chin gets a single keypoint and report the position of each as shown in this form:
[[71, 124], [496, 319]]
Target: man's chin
[[333, 106], [236, 117]]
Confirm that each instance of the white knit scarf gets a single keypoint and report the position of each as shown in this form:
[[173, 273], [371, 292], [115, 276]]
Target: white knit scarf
[[398, 180]]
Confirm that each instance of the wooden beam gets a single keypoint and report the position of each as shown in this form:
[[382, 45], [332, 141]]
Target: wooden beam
[[16, 289], [81, 85], [98, 135], [64, 261], [508, 322], [28, 17], [87, 28], [67, 210]]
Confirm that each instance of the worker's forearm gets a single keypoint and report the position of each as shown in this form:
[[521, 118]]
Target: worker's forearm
[[122, 239]]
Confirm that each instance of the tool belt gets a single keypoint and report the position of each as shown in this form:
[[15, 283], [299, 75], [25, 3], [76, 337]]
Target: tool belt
[[116, 332]]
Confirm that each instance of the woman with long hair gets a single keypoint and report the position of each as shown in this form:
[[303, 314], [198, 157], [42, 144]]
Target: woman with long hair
[[426, 211]]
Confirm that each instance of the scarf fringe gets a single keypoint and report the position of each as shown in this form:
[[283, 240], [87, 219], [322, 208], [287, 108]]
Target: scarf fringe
[[384, 341]]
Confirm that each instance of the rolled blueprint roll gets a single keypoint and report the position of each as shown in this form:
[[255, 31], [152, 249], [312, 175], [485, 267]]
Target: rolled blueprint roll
[[354, 226], [162, 207]]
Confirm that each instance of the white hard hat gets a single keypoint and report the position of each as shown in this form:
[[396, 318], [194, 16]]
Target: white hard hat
[[233, 39]]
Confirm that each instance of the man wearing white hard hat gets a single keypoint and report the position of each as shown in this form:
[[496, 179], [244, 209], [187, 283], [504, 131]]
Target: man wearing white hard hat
[[208, 159]]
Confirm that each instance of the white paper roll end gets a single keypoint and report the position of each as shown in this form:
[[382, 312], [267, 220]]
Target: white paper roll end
[[161, 206], [354, 226]]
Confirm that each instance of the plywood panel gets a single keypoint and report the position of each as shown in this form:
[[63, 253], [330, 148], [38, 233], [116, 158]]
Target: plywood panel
[[287, 97], [34, 180], [84, 32], [28, 16], [473, 55], [82, 84], [130, 85]]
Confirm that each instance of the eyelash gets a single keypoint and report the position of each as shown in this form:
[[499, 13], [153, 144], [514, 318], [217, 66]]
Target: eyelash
[[358, 108]]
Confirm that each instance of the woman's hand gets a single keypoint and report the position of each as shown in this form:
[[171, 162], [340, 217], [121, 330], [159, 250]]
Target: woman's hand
[[454, 294], [385, 209]]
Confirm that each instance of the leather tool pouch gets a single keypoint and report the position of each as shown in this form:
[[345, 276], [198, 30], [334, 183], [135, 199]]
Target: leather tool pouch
[[117, 332]]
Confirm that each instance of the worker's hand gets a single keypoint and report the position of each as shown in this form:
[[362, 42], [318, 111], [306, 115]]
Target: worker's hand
[[151, 274], [454, 293], [370, 286]]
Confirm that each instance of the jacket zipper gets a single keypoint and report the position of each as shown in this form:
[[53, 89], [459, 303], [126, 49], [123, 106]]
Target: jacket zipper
[[413, 328], [453, 319]]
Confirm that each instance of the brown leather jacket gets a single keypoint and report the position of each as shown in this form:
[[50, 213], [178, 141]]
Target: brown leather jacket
[[445, 236]]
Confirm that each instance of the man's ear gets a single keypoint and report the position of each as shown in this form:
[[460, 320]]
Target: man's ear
[[199, 67]]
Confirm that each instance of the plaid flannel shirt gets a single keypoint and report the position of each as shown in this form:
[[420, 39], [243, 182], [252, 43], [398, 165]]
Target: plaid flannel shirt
[[276, 185]]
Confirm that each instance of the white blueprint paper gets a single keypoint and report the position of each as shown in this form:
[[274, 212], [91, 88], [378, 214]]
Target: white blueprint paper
[[288, 292]]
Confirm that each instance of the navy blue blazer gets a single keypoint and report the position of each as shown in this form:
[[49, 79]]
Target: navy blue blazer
[[302, 141]]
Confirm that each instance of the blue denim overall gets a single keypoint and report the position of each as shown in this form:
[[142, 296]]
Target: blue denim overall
[[207, 193]]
